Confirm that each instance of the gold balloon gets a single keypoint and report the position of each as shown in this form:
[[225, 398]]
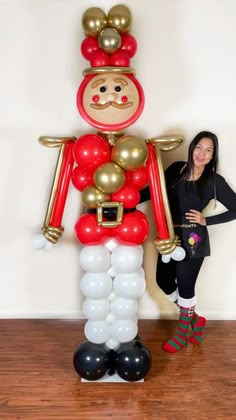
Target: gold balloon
[[129, 152], [120, 18], [109, 177], [91, 195], [109, 40], [93, 21]]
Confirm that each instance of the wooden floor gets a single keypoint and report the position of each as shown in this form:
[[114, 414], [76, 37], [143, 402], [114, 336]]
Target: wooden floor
[[38, 381]]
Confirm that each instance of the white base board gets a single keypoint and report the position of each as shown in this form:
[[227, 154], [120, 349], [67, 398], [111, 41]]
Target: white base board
[[111, 378], [78, 315]]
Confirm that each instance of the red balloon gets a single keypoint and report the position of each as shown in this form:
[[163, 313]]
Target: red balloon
[[81, 179], [99, 59], [129, 44], [90, 151], [137, 178], [120, 58], [127, 195], [133, 230], [88, 232], [88, 46]]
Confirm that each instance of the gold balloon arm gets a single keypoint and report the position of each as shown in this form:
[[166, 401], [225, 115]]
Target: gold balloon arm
[[52, 228], [55, 141], [166, 143]]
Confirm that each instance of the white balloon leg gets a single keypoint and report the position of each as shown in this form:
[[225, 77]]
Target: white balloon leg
[[128, 286], [112, 284]]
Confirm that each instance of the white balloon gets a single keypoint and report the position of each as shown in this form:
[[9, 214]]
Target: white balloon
[[96, 309], [110, 319], [111, 244], [140, 248], [165, 258], [123, 308], [112, 343], [97, 331], [130, 286], [124, 330], [38, 241], [95, 258], [112, 272], [111, 297], [96, 285], [126, 259], [141, 271], [178, 254]]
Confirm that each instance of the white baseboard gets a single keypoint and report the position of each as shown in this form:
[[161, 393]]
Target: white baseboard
[[210, 316], [76, 315]]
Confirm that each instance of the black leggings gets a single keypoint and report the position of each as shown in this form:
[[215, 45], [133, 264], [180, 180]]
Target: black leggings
[[178, 274]]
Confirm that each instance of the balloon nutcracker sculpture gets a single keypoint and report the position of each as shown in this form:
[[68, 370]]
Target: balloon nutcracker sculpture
[[109, 168]]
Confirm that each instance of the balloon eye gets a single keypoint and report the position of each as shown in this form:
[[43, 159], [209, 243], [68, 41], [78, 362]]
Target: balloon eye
[[95, 98], [117, 88], [103, 89], [124, 98]]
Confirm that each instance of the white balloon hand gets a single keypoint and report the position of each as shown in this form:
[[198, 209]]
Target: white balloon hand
[[178, 255], [40, 242]]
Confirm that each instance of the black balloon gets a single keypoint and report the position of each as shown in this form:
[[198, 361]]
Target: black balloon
[[132, 361], [91, 360]]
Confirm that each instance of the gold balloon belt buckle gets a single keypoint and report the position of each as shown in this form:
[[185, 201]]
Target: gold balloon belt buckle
[[110, 204]]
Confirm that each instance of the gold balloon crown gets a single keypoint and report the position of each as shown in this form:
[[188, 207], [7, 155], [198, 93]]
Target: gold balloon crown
[[108, 44]]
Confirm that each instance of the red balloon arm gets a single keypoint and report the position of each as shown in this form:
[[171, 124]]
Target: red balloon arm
[[156, 193], [65, 172]]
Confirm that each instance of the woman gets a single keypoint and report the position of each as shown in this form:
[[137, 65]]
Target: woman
[[190, 187]]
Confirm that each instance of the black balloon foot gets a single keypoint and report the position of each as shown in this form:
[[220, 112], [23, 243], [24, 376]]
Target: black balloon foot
[[132, 361], [91, 361]]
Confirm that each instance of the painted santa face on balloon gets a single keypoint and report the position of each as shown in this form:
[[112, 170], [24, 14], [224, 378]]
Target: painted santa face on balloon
[[110, 101]]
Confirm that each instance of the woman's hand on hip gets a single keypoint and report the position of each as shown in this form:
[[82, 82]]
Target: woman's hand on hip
[[195, 216]]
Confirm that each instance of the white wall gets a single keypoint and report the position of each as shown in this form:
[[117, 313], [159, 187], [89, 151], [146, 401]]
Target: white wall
[[186, 63]]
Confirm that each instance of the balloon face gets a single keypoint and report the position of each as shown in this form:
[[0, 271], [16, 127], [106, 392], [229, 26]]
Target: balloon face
[[110, 101]]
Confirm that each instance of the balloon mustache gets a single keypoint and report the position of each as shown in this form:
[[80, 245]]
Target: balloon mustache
[[111, 103]]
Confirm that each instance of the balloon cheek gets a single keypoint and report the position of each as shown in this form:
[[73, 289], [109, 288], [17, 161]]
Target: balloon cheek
[[95, 98]]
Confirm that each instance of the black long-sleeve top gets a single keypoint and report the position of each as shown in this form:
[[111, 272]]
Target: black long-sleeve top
[[186, 195]]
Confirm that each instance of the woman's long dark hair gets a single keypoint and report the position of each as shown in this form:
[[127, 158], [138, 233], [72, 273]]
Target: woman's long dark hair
[[210, 169]]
